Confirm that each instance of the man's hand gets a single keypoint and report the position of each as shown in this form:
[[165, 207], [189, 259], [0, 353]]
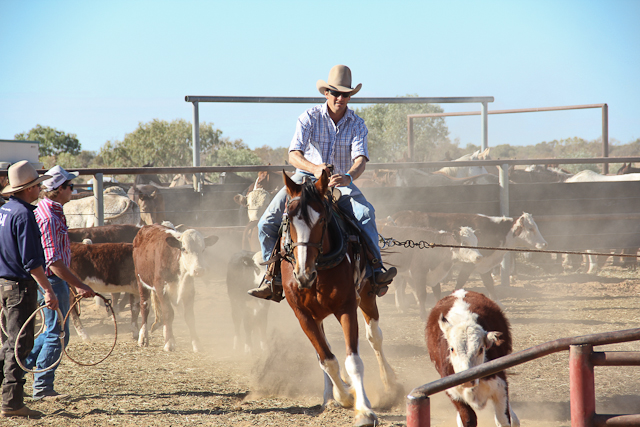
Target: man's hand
[[85, 291], [317, 172], [50, 300], [339, 180]]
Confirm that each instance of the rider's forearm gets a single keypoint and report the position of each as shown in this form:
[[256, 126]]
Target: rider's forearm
[[358, 167], [296, 158]]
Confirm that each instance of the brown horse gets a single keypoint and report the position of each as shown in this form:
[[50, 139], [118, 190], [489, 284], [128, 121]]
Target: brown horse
[[316, 289]]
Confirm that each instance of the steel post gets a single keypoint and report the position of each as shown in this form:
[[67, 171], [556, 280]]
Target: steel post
[[581, 386], [484, 127], [98, 192], [505, 266], [605, 136], [418, 412], [410, 138], [197, 182]]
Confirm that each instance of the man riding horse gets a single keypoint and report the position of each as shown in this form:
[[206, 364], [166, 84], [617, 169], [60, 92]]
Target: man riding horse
[[327, 134]]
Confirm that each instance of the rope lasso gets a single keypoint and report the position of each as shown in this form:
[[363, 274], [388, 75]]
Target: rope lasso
[[62, 320], [61, 336], [2, 327], [410, 244], [108, 304]]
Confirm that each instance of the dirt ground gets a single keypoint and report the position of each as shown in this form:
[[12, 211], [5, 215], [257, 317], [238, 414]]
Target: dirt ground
[[282, 385]]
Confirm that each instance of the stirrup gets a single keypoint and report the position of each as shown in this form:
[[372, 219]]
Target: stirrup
[[380, 284], [268, 289]]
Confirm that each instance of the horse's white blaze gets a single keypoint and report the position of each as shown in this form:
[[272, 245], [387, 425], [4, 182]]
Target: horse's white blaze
[[303, 232]]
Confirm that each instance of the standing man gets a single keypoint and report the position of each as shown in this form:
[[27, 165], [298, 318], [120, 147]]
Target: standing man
[[57, 250], [328, 134], [21, 266]]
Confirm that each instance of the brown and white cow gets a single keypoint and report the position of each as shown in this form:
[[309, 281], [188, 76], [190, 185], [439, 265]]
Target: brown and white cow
[[492, 231], [150, 201], [256, 202], [112, 233], [166, 262], [427, 266], [108, 268], [465, 330]]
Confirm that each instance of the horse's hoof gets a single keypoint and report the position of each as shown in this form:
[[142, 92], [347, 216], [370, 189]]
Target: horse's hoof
[[368, 419]]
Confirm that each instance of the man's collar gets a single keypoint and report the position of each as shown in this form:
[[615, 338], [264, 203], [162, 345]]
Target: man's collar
[[347, 114], [23, 202]]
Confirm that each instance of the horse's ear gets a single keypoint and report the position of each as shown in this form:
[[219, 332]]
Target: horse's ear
[[322, 183], [292, 188]]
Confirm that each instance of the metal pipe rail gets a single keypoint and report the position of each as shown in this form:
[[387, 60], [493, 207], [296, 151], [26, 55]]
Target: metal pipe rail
[[373, 166], [483, 112], [418, 410], [195, 101]]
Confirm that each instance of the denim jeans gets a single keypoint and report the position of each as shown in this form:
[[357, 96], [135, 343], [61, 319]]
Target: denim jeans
[[18, 303], [47, 348], [352, 202]]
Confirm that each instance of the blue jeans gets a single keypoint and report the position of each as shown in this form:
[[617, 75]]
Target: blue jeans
[[47, 348], [352, 202]]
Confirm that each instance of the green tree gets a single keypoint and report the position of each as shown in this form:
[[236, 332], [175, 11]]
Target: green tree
[[387, 124], [273, 156], [52, 141], [165, 144]]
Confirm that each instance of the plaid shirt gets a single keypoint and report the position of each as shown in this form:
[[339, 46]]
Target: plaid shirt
[[322, 141], [53, 227]]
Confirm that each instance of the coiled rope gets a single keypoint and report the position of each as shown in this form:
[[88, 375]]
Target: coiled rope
[[62, 320]]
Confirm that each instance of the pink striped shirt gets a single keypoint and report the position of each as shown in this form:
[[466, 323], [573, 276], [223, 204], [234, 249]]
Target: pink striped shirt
[[55, 238]]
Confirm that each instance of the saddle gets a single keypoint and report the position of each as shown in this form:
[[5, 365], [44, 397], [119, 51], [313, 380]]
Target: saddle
[[342, 230]]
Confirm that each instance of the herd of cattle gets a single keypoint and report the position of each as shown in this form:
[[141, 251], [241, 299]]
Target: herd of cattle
[[156, 264]]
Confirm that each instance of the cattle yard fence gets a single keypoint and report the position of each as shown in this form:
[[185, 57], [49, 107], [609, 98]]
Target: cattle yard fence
[[575, 216], [582, 360]]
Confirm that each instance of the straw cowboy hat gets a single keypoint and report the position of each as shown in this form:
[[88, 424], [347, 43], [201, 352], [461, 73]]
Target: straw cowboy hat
[[339, 80], [22, 176]]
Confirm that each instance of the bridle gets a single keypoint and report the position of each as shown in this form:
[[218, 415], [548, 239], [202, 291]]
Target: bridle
[[289, 246]]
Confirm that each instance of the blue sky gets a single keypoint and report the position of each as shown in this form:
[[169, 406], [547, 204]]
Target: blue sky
[[99, 68]]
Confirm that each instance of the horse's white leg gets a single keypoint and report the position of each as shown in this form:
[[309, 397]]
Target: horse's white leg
[[341, 393], [374, 336], [355, 368]]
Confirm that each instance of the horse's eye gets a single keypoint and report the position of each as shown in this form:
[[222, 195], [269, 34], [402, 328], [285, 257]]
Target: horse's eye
[[481, 350], [451, 349]]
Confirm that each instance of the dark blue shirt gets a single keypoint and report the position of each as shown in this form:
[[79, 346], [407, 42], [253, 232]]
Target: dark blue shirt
[[20, 240]]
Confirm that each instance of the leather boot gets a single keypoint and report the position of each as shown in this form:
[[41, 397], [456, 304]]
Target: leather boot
[[381, 280], [270, 288]]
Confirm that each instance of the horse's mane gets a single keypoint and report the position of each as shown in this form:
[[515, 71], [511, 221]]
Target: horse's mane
[[308, 194]]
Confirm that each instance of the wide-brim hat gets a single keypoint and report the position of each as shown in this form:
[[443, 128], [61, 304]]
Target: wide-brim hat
[[58, 177], [339, 80], [22, 175]]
